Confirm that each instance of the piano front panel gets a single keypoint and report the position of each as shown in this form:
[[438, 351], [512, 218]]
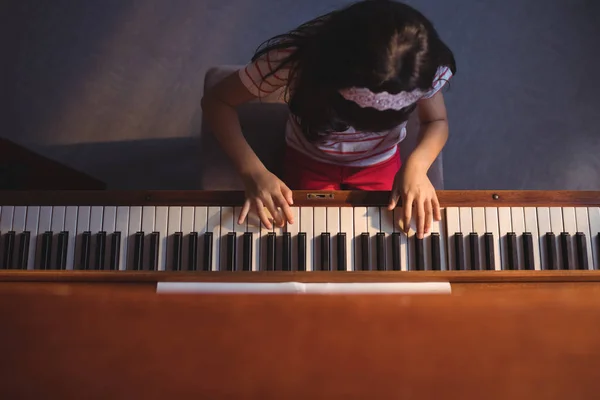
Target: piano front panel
[[345, 238]]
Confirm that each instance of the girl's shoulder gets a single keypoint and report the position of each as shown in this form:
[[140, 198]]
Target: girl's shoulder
[[268, 74]]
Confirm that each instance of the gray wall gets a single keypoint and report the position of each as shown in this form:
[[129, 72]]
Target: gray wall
[[113, 87]]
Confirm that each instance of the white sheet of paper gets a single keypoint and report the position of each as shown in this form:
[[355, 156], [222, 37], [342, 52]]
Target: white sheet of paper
[[307, 288]]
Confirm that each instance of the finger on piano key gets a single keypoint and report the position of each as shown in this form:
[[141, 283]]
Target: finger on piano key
[[6, 222], [186, 228], [360, 227], [531, 226], [466, 228], [293, 230], [544, 227], [96, 216], [134, 226], [333, 227], [227, 227], [319, 228], [452, 228], [307, 228], [517, 215], [44, 226], [213, 230], [594, 218], [254, 227], [570, 228], [556, 225], [174, 248], [347, 228], [373, 228], [583, 226], [240, 230], [479, 228], [71, 215], [387, 229], [31, 226], [492, 225], [109, 225], [200, 228]]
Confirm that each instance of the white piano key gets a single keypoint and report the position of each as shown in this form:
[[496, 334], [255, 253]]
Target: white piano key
[[556, 224], [492, 225], [531, 226], [200, 227], [544, 227], [373, 228], [293, 231], [570, 227], [109, 221], [31, 225], [504, 226], [307, 226], [71, 227], [187, 226], [517, 216], [213, 224], [6, 221], [594, 216], [56, 226], [333, 227], [480, 229], [227, 223], [160, 226], [254, 226], [347, 227], [466, 227], [83, 225], [148, 220], [452, 227], [319, 227], [19, 218], [134, 226], [239, 230], [583, 226], [387, 227], [173, 227], [360, 227]]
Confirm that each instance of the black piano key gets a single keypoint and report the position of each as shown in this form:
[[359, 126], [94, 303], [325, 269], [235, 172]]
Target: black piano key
[[436, 259], [153, 254], [9, 248], [342, 262], [565, 250], [490, 256], [528, 259], [582, 254], [23, 251], [138, 251], [419, 254], [396, 253], [551, 254], [100, 251], [459, 251], [247, 251], [325, 262], [192, 251], [46, 254], [231, 242], [365, 252], [115, 250], [511, 251], [474, 251], [301, 251], [380, 248], [61, 250], [271, 242], [177, 251], [286, 252]]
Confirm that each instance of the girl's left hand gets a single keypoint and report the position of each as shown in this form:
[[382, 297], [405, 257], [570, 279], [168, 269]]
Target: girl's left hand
[[414, 189]]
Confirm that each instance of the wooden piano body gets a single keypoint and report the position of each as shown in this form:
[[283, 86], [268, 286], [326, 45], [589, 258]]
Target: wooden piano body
[[511, 328]]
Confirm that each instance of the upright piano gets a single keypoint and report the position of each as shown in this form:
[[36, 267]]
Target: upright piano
[[82, 317]]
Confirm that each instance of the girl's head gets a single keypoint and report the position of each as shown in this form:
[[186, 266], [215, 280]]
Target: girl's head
[[380, 45]]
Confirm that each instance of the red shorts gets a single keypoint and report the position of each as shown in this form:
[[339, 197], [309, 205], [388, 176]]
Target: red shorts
[[304, 173]]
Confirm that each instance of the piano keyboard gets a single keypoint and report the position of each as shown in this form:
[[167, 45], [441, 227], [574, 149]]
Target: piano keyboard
[[347, 238]]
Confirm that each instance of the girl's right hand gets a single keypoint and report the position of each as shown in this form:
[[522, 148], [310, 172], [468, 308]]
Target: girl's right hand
[[265, 190]]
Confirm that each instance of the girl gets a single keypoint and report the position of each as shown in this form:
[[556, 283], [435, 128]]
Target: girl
[[351, 79]]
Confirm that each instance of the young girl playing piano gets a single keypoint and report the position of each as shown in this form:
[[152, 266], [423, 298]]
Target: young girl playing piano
[[351, 79]]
